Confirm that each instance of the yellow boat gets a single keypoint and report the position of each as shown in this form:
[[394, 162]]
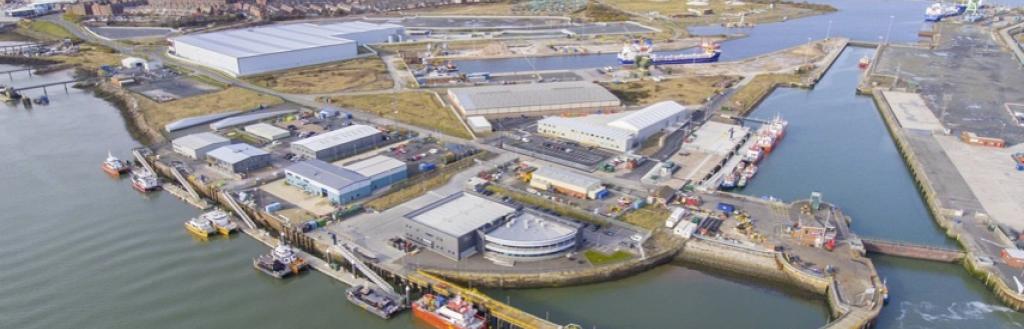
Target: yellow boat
[[220, 220], [199, 226]]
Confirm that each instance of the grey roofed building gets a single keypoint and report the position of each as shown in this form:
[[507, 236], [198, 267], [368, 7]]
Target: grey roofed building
[[197, 145], [337, 137], [536, 97], [326, 173], [279, 38], [239, 158], [530, 226], [460, 213]]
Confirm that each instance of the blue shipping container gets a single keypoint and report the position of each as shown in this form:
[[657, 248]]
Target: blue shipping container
[[726, 208], [427, 166], [272, 207]]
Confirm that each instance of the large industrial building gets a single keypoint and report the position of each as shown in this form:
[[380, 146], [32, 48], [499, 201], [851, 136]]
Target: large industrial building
[[463, 224], [621, 131], [267, 131], [567, 182], [532, 99], [337, 184], [196, 146], [238, 158], [256, 50], [334, 145]]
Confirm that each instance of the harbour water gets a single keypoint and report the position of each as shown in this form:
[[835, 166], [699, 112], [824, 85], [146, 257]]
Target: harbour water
[[81, 250]]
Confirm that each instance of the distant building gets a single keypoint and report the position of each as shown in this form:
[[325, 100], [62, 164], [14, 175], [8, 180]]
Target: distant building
[[238, 158], [196, 146], [567, 182], [334, 145], [532, 99], [621, 131], [337, 184], [382, 171], [257, 50]]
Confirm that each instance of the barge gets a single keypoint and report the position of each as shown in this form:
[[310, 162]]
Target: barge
[[374, 301]]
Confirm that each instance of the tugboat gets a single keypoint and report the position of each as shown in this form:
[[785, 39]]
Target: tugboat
[[199, 226], [374, 301], [8, 94], [864, 62], [637, 49], [933, 13], [454, 313], [114, 166], [280, 263], [145, 181], [221, 222], [729, 182]]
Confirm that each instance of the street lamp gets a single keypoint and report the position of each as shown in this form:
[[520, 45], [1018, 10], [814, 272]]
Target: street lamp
[[889, 30], [828, 32]]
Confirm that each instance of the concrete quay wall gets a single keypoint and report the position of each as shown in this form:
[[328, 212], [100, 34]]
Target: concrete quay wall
[[1003, 291]]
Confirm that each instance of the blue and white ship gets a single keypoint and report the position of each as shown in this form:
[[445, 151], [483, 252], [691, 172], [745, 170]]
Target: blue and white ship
[[630, 52], [937, 11]]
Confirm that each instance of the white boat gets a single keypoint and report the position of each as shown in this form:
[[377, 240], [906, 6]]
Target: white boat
[[200, 226], [145, 181], [114, 166], [221, 221]]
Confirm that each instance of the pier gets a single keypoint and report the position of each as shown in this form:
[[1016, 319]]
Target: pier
[[913, 251], [50, 84], [10, 73]]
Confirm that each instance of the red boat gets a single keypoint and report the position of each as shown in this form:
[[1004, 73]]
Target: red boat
[[864, 62], [114, 166], [454, 313]]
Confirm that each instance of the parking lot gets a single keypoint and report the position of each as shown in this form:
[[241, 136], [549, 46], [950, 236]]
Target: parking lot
[[172, 89], [562, 152]]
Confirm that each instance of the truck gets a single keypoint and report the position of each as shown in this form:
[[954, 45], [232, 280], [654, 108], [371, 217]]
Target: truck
[[674, 218]]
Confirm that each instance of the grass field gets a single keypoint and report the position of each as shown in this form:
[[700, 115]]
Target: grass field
[[231, 99], [415, 108], [649, 217], [685, 90], [758, 88], [757, 11], [91, 57], [44, 30], [359, 74], [596, 12], [598, 258]]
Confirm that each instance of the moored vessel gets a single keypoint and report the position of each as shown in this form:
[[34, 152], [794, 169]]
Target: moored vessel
[[374, 301], [454, 313], [8, 94], [220, 221], [114, 166], [280, 263], [864, 62], [632, 51], [145, 181], [199, 226]]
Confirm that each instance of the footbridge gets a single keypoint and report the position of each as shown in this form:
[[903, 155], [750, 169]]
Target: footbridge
[[911, 250]]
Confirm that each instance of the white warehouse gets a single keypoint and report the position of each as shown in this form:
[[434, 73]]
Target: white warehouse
[[249, 51], [621, 131], [532, 98]]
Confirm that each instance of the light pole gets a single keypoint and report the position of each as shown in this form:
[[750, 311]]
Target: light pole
[[889, 29], [828, 32]]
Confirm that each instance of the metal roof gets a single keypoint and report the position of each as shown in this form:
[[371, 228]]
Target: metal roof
[[567, 177], [375, 165], [235, 153], [460, 213], [643, 118], [337, 137], [588, 127], [196, 120], [278, 38], [247, 118], [265, 130], [529, 227], [198, 141], [534, 94], [326, 173]]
